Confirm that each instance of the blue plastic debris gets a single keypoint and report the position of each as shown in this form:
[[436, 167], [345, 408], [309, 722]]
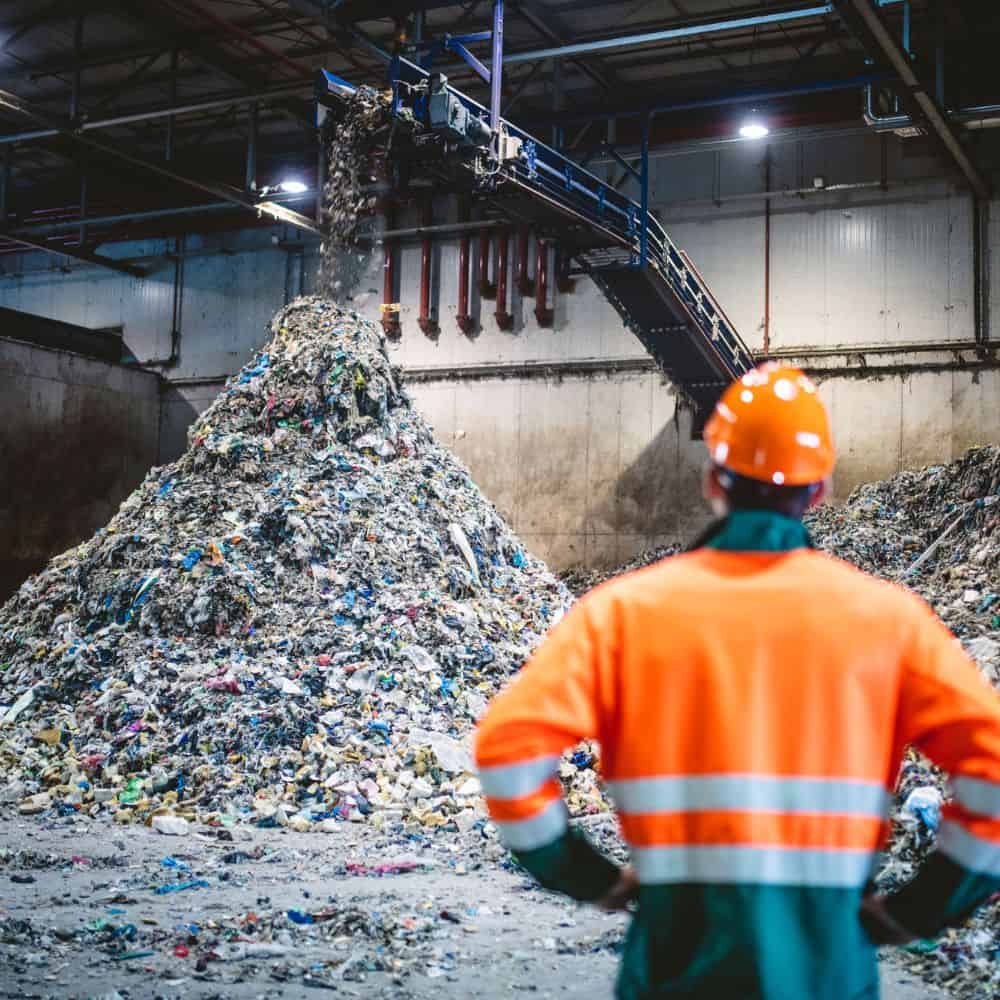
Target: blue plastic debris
[[261, 365], [195, 883], [192, 559]]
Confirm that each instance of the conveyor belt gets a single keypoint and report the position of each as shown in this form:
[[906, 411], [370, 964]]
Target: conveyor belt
[[651, 283]]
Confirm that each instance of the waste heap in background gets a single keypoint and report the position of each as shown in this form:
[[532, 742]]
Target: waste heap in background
[[581, 579], [296, 623]]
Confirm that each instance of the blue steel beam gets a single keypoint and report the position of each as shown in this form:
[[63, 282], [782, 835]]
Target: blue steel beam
[[454, 45], [740, 97], [476, 36], [682, 31], [644, 205]]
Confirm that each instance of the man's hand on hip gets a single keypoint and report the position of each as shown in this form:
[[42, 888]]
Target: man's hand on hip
[[880, 926], [623, 892]]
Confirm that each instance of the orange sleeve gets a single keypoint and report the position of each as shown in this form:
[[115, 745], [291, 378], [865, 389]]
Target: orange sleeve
[[949, 711], [556, 700]]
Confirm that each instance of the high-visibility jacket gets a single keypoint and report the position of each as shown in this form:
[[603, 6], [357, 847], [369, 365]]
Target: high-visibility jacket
[[753, 700]]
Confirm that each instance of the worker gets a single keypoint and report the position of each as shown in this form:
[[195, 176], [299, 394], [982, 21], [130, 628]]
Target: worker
[[753, 700]]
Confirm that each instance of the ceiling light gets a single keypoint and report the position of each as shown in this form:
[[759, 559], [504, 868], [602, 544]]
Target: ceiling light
[[293, 187], [754, 129]]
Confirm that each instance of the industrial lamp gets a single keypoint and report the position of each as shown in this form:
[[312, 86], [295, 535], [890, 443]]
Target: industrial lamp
[[754, 128]]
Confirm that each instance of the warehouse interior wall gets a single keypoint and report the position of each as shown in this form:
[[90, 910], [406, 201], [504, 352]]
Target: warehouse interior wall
[[78, 437], [581, 444]]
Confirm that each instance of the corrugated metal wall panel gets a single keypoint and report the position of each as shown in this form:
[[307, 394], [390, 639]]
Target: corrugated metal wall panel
[[928, 291], [727, 246], [828, 275]]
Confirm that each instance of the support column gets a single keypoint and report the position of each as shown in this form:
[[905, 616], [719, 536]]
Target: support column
[[982, 267], [83, 198], [644, 183], [767, 253], [168, 153], [6, 160], [496, 68], [74, 101], [253, 128]]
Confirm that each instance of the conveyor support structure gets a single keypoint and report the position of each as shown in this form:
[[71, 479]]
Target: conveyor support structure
[[652, 284]]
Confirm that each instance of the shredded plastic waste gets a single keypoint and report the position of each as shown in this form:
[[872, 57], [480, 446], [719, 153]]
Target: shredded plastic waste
[[300, 631], [580, 579]]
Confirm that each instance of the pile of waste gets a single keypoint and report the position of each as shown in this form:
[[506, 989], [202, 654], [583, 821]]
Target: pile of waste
[[937, 530], [296, 623], [581, 579]]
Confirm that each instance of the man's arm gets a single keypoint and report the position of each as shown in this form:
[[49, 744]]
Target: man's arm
[[557, 700], [949, 711]]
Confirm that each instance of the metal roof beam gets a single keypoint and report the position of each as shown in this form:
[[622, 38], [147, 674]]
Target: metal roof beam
[[914, 91], [678, 32], [604, 78], [76, 253], [13, 103], [111, 55], [171, 111]]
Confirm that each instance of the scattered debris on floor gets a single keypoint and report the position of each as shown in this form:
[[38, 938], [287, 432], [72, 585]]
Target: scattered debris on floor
[[274, 913]]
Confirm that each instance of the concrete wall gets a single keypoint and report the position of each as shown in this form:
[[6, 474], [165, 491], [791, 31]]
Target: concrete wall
[[594, 470], [78, 436], [871, 287]]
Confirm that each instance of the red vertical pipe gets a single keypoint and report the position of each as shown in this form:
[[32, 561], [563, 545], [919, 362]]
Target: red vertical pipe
[[564, 283], [463, 319], [543, 315], [504, 319], [390, 311], [426, 324], [524, 285], [486, 290]]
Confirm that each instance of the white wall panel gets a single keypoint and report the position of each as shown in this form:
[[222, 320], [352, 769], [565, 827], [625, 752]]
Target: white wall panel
[[855, 249], [728, 249], [800, 294], [928, 297]]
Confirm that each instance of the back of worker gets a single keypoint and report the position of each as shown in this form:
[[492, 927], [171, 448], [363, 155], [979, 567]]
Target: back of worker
[[753, 700], [750, 746]]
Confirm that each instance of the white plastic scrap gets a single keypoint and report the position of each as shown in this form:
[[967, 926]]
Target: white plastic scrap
[[460, 542]]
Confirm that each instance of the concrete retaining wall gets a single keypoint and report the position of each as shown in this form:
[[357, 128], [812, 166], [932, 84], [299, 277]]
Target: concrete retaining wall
[[78, 435]]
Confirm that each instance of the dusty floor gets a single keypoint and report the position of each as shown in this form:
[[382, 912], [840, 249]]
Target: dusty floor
[[80, 917]]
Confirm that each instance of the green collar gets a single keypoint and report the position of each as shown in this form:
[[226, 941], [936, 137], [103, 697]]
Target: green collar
[[756, 531]]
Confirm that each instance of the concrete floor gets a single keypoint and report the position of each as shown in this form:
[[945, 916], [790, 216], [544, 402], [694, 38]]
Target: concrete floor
[[460, 929]]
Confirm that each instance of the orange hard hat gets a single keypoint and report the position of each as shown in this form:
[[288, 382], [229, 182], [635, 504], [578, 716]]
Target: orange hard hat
[[771, 425]]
